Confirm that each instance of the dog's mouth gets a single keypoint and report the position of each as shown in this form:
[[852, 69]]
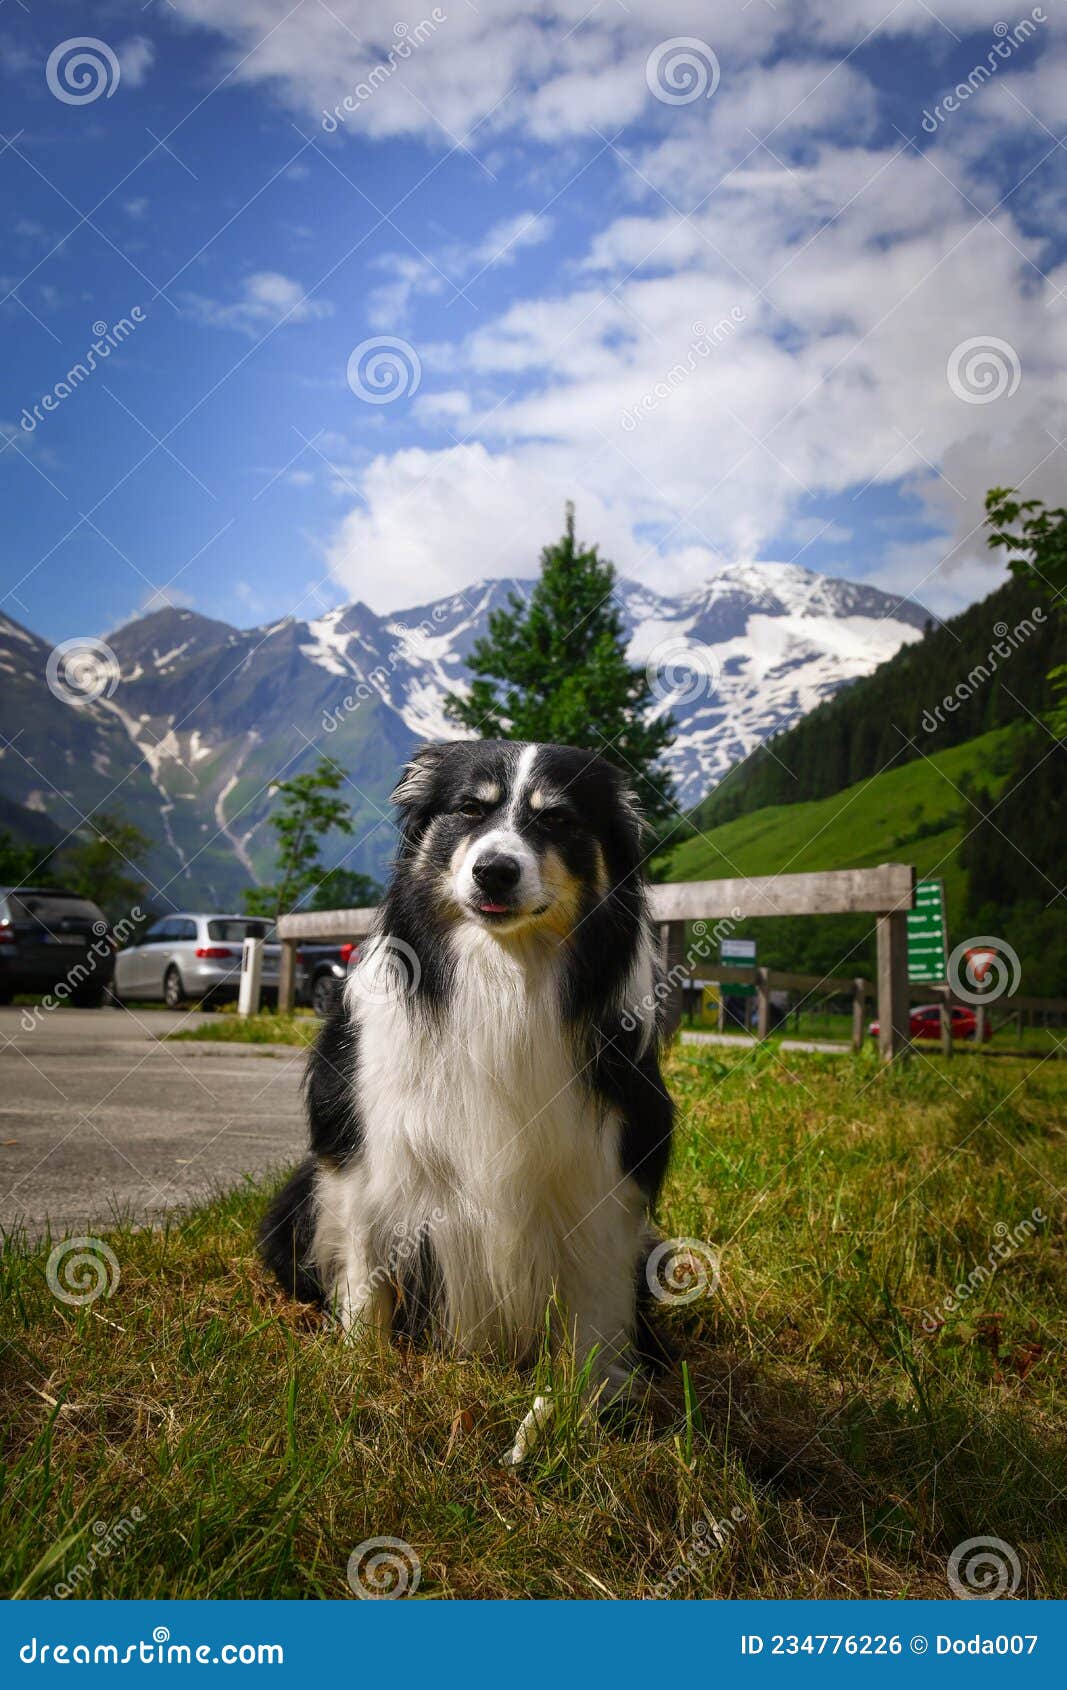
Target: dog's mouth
[[496, 913]]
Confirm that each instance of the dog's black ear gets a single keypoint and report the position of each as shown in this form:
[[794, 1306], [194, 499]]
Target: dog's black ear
[[416, 782]]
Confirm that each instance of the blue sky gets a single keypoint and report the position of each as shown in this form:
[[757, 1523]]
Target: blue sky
[[799, 308]]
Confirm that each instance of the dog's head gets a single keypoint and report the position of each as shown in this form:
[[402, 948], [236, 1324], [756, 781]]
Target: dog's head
[[515, 837]]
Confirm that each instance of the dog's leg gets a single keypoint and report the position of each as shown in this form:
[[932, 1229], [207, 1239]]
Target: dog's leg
[[530, 1430], [363, 1295]]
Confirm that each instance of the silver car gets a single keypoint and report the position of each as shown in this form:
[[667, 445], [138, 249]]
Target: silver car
[[194, 956]]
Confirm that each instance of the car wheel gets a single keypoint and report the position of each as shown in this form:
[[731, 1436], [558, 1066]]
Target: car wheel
[[173, 991], [324, 996]]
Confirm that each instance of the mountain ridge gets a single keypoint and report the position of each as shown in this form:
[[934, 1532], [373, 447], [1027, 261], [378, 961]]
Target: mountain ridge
[[198, 716]]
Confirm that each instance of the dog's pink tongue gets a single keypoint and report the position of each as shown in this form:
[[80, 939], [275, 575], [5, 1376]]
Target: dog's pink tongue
[[493, 909]]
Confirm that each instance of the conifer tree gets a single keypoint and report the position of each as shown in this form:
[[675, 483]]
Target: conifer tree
[[554, 669]]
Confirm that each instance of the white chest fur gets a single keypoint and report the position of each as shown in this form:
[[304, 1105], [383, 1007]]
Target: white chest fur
[[480, 1136]]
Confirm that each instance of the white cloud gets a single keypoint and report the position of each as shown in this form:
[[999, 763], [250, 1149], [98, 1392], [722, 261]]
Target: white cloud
[[553, 71], [267, 298], [847, 266], [136, 58]]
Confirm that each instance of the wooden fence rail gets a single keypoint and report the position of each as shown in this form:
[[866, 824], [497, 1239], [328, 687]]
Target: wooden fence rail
[[886, 892]]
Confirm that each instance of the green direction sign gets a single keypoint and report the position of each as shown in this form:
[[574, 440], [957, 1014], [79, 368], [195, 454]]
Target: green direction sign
[[739, 953], [927, 945]]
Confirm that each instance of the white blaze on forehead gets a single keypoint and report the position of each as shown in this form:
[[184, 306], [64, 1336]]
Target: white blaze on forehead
[[523, 775]]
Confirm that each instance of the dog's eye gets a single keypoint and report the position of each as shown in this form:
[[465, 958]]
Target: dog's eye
[[557, 815], [471, 808]]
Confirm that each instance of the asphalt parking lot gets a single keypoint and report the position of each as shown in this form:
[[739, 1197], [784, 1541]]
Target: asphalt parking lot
[[99, 1117]]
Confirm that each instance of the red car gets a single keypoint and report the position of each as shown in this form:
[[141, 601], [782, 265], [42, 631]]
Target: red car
[[925, 1023]]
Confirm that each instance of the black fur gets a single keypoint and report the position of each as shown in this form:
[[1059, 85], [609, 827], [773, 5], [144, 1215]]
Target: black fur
[[597, 834], [285, 1237]]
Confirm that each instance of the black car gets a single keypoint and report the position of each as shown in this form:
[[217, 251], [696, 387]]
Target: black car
[[54, 942], [320, 974]]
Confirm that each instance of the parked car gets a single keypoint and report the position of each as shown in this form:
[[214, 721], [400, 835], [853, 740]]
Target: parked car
[[320, 974], [925, 1023], [183, 957], [56, 942]]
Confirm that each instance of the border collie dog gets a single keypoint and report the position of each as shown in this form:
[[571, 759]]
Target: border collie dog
[[489, 1128]]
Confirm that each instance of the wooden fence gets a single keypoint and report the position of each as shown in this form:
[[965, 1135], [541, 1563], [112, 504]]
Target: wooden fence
[[887, 893]]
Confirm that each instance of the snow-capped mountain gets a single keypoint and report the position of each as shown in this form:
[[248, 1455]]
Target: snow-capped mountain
[[191, 719]]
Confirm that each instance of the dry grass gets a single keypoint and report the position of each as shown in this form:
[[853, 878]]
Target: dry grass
[[842, 1449]]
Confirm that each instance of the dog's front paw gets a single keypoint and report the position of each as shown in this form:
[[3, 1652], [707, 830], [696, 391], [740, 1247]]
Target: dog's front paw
[[529, 1431]]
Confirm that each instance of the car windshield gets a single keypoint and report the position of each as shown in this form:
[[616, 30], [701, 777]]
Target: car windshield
[[51, 910], [233, 930]]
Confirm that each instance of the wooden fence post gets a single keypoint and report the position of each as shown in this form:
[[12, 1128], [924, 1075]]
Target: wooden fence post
[[763, 1003], [893, 1006], [859, 1012], [287, 977], [672, 956], [945, 1016]]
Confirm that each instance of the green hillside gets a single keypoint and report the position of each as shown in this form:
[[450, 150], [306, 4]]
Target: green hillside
[[918, 813]]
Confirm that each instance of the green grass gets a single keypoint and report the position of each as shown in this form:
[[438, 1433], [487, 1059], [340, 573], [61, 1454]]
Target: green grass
[[912, 814], [267, 1028], [848, 1439]]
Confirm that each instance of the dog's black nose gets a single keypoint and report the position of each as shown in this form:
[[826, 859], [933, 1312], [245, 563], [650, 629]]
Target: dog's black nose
[[496, 873]]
